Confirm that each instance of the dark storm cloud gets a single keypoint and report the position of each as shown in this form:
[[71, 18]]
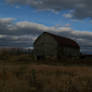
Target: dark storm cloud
[[82, 8]]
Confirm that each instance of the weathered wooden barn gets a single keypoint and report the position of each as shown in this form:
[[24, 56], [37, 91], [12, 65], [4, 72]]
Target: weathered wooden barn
[[48, 45]]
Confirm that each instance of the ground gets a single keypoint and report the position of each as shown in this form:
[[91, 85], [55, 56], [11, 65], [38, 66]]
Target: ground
[[29, 76]]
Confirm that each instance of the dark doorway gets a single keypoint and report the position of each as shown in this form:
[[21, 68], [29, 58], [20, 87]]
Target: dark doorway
[[40, 57]]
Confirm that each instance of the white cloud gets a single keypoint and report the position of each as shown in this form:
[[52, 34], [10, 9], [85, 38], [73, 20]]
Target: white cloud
[[68, 15], [17, 7], [6, 20], [67, 25]]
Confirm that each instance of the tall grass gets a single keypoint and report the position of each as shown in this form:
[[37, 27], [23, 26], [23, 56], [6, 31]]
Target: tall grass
[[48, 78]]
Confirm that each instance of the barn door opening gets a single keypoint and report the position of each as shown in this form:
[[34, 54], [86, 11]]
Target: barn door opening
[[40, 57]]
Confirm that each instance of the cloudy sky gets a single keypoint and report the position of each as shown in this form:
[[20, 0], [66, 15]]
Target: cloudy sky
[[22, 21]]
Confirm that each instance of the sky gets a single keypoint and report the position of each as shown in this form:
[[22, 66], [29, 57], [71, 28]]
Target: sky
[[22, 21]]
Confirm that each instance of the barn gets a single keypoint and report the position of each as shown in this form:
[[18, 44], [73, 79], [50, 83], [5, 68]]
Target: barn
[[49, 45]]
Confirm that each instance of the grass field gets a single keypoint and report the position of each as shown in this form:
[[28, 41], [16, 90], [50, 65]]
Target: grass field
[[45, 78], [21, 74]]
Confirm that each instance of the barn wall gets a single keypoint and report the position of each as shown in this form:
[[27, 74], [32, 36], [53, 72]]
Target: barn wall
[[60, 51], [45, 46], [68, 51]]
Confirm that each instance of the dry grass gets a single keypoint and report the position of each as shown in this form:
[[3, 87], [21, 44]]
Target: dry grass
[[45, 78], [20, 73]]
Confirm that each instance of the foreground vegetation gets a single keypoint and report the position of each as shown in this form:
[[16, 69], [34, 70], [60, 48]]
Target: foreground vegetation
[[21, 73], [45, 78]]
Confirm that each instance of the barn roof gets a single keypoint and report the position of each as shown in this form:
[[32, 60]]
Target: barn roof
[[63, 41]]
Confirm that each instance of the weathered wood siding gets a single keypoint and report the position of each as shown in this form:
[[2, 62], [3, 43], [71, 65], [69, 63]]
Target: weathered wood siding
[[71, 51], [68, 51], [45, 46]]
